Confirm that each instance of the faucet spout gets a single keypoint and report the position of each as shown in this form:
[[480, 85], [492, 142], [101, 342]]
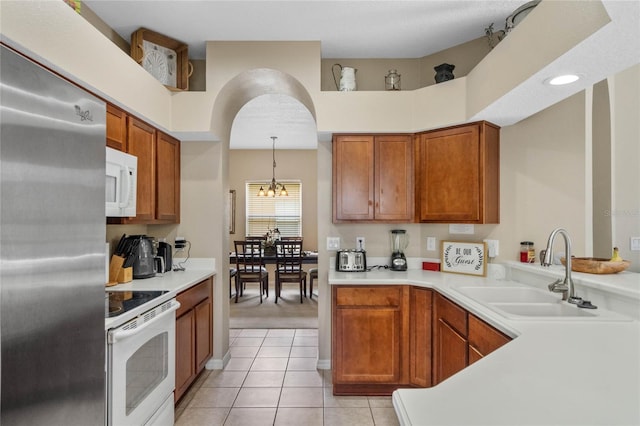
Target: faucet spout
[[566, 286]]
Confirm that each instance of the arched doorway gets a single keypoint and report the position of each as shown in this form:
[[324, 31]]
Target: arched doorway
[[239, 91]]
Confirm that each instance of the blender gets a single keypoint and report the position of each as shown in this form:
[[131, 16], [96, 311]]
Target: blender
[[399, 242]]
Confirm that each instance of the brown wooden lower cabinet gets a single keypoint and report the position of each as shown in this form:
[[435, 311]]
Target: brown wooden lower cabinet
[[460, 339], [385, 337], [483, 339], [449, 338], [194, 334], [420, 313], [370, 345]]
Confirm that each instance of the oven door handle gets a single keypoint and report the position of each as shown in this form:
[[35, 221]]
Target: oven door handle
[[117, 334]]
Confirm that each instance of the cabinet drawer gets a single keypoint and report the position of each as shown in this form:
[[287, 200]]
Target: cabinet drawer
[[452, 314], [484, 338], [191, 297], [369, 296]]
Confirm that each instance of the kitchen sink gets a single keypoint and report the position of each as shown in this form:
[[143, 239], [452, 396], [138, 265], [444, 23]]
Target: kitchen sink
[[508, 294], [529, 303], [556, 309]]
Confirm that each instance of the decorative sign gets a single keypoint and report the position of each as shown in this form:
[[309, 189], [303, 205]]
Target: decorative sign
[[231, 211], [464, 258]]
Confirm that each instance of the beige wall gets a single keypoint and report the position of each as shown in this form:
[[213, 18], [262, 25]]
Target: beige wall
[[601, 177], [542, 179], [415, 73], [624, 88], [255, 165]]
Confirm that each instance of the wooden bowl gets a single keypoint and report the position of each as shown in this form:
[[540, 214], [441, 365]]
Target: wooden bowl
[[594, 265]]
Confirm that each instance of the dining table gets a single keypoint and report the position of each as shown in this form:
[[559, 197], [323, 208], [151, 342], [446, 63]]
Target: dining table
[[308, 257]]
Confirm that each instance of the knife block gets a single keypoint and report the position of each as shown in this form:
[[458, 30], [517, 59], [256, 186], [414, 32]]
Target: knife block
[[118, 274], [125, 275]]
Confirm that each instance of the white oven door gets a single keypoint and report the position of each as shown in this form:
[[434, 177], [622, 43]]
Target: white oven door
[[141, 366]]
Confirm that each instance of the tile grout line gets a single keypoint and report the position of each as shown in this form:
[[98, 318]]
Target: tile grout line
[[300, 334]]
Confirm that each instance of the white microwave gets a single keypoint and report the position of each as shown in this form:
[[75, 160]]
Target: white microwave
[[121, 184]]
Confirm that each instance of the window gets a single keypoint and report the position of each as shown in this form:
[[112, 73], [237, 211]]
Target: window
[[282, 212]]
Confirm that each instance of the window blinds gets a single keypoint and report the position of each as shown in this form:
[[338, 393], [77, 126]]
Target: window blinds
[[282, 212]]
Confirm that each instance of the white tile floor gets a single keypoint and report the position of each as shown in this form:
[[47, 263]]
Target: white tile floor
[[272, 379]]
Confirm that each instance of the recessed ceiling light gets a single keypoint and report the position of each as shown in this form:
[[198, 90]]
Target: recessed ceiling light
[[563, 79]]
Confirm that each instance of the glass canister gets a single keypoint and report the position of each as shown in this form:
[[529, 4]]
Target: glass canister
[[392, 80], [527, 252]]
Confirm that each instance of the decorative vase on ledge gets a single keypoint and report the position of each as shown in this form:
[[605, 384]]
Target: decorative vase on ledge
[[444, 72]]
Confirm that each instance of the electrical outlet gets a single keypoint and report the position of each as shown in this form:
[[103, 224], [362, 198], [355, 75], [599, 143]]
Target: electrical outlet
[[635, 243], [431, 243], [360, 243], [493, 247], [180, 243], [333, 243]]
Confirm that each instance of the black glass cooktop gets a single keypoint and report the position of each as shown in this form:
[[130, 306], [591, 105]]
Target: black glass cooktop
[[120, 302]]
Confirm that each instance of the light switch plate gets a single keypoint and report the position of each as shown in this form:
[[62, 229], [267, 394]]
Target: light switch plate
[[431, 243], [635, 243], [333, 243], [493, 248]]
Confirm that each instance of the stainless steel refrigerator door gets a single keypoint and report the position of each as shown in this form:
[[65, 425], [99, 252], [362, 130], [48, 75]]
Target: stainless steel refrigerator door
[[52, 233]]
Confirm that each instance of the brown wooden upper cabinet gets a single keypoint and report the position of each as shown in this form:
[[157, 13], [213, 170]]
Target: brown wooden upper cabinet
[[458, 174], [142, 143], [167, 178], [116, 128], [373, 178], [158, 190]]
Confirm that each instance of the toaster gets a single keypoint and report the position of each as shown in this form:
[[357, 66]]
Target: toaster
[[351, 261]]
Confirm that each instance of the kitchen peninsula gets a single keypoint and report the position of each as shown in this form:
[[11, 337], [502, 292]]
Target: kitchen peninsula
[[581, 369]]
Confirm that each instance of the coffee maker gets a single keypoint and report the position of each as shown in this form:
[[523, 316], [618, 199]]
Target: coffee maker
[[399, 242]]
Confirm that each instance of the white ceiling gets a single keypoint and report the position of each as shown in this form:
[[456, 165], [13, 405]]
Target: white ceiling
[[274, 115], [364, 29], [346, 29]]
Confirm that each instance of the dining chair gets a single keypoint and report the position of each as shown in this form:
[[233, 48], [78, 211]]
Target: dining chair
[[249, 268], [313, 275], [289, 266], [262, 240], [232, 278]]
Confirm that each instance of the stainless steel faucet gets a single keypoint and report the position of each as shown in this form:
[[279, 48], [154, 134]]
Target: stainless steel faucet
[[565, 286]]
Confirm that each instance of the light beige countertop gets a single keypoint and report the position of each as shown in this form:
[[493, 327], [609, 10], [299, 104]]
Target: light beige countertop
[[196, 270], [556, 371]]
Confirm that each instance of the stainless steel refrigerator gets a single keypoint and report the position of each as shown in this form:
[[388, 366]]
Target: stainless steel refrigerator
[[52, 239]]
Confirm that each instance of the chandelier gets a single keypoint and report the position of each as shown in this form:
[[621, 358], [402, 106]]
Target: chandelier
[[273, 186]]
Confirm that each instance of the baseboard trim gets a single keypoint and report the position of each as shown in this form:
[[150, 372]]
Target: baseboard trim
[[218, 364], [324, 364]]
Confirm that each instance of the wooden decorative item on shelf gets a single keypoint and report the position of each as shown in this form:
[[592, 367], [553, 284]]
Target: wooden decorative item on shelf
[[594, 265], [164, 58]]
